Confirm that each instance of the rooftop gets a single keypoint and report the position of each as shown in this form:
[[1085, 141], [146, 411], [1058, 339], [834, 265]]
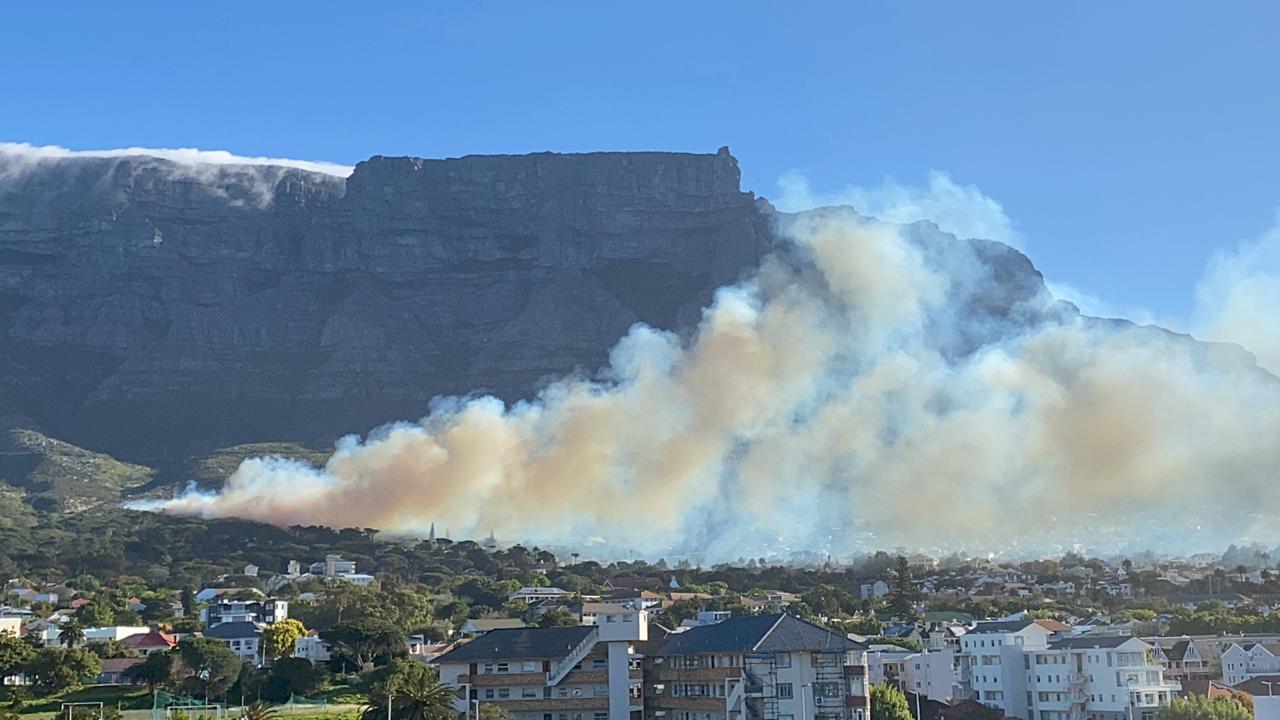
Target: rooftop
[[520, 644], [777, 632]]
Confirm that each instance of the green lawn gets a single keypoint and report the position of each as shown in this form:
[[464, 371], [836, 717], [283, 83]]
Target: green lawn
[[125, 698]]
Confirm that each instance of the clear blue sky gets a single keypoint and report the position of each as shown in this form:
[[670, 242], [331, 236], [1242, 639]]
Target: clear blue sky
[[1127, 141]]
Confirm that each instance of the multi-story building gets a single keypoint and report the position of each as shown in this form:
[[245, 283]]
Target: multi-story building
[[587, 672], [1244, 660], [760, 667], [242, 638], [254, 611], [1018, 668], [1185, 658]]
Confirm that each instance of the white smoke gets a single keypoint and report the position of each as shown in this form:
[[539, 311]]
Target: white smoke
[[18, 154], [1238, 299], [818, 406], [962, 210]]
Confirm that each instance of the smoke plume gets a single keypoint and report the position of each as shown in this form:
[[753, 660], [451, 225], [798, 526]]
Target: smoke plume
[[841, 398]]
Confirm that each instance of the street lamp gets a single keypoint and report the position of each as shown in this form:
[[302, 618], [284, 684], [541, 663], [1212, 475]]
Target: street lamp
[[804, 705]]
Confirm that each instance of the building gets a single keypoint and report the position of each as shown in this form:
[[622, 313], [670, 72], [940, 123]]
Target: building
[[113, 671], [479, 626], [538, 594], [873, 590], [332, 568], [585, 672], [310, 647], [151, 642], [1183, 659], [1242, 661], [265, 611], [590, 612], [243, 638], [1019, 668], [768, 667]]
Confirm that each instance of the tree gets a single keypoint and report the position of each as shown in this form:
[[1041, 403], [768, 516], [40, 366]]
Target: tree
[[413, 692], [258, 711], [494, 711], [55, 669], [205, 667], [278, 638], [902, 597], [155, 670], [71, 634], [1200, 707], [14, 654], [888, 703], [557, 617], [293, 676], [365, 642]]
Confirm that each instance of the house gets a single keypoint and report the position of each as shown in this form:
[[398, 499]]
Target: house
[[633, 597], [590, 612], [769, 666], [333, 568], [536, 594], [873, 590], [243, 638], [209, 594], [1242, 661], [266, 611], [705, 617], [588, 671], [1231, 600], [479, 626], [150, 642], [1183, 659], [1020, 669], [113, 671], [311, 647]]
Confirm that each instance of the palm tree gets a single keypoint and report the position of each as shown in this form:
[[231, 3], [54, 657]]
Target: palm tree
[[414, 692], [258, 711], [72, 633]]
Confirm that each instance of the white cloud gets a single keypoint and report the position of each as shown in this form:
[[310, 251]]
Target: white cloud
[[960, 209], [1094, 306], [1238, 298], [187, 156]]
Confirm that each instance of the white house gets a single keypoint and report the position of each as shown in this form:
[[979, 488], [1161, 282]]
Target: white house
[[536, 594], [873, 590], [1242, 661], [243, 638]]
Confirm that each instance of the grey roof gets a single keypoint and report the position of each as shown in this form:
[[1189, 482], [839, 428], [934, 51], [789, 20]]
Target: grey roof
[[1000, 626], [1084, 642], [1177, 651], [233, 631], [777, 632], [520, 644]]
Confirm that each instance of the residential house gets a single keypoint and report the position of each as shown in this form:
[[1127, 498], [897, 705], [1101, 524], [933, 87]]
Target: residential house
[[269, 610], [243, 638], [585, 672], [1246, 660], [333, 568], [1183, 659], [113, 671], [759, 666], [310, 647], [590, 612], [210, 594], [873, 590], [150, 642], [479, 626], [537, 594]]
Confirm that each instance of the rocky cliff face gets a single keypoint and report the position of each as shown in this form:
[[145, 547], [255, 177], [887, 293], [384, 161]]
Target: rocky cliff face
[[149, 308]]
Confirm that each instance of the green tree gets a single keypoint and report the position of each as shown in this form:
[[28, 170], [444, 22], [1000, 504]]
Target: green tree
[[205, 667], [55, 669], [557, 617], [14, 655], [365, 642], [494, 711], [293, 676], [888, 703], [156, 670], [1200, 707], [278, 638], [902, 596], [71, 634], [413, 692]]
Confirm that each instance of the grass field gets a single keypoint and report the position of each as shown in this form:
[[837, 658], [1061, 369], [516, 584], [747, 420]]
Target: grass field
[[135, 704]]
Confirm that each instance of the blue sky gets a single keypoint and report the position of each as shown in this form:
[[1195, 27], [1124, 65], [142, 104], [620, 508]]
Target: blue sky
[[1127, 142]]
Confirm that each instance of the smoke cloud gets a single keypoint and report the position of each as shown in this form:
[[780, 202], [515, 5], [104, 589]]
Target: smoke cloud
[[1238, 299], [823, 405], [19, 153]]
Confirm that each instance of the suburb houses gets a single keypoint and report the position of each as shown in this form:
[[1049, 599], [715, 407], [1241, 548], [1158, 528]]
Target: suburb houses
[[758, 666]]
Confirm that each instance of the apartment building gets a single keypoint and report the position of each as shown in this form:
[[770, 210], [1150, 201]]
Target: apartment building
[[252, 611], [760, 667], [1021, 669], [1244, 660], [587, 672]]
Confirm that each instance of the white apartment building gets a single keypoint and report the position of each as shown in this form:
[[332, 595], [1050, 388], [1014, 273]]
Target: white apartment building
[[1020, 669], [1242, 661]]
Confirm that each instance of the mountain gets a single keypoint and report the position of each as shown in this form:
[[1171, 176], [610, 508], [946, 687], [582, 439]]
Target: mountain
[[157, 310]]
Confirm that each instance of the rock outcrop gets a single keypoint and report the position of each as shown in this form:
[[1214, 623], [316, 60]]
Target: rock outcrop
[[154, 309]]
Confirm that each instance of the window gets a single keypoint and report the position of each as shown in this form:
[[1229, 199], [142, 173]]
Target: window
[[783, 659], [531, 692], [529, 667], [504, 693], [503, 667], [785, 691], [488, 694]]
